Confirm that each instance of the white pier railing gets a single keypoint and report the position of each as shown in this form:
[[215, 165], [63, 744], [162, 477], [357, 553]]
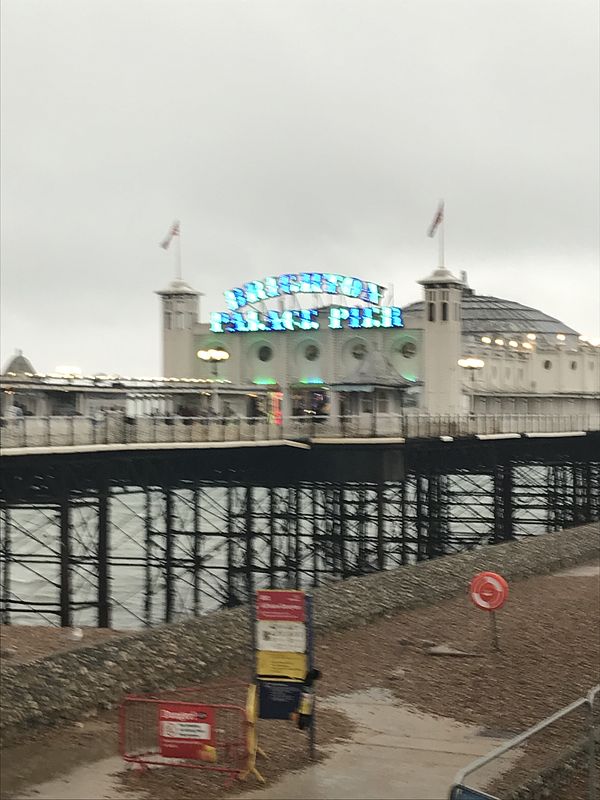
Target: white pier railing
[[25, 432]]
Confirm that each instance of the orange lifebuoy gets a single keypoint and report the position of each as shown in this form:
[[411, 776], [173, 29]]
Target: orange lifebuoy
[[488, 591]]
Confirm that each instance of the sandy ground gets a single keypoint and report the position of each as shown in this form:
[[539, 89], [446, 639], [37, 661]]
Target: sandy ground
[[550, 655], [388, 751], [82, 763], [22, 643]]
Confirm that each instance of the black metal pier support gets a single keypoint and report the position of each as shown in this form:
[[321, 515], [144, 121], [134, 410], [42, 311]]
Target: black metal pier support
[[136, 539]]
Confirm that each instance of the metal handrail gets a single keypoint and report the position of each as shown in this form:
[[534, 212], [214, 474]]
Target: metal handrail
[[588, 701], [117, 428]]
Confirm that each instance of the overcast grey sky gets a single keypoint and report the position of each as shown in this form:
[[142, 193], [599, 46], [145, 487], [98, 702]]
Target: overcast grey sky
[[286, 136]]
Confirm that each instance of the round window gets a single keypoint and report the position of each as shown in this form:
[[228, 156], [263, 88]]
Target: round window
[[573, 365], [408, 349], [547, 364], [311, 352], [359, 351], [265, 353]]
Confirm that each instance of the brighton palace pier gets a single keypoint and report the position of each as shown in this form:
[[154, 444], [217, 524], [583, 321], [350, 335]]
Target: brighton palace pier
[[311, 429], [337, 347], [349, 351]]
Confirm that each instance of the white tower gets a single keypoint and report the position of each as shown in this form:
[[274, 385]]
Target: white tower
[[442, 347], [180, 314]]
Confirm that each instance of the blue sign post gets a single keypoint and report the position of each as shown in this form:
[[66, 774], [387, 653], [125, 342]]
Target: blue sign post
[[284, 658]]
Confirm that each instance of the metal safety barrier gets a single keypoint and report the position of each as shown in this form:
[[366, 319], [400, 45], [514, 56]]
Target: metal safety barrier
[[160, 731], [460, 791]]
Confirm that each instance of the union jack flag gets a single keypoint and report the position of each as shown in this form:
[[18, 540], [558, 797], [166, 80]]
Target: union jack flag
[[173, 231], [437, 220]]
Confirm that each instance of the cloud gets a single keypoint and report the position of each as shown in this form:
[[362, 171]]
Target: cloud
[[285, 135]]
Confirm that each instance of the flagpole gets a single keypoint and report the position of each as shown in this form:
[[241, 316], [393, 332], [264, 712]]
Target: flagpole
[[441, 243]]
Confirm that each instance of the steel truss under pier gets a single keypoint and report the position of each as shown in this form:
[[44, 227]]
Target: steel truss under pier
[[138, 539]]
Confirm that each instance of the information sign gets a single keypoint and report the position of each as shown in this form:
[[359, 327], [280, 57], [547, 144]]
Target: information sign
[[281, 665], [281, 636], [278, 699], [184, 728], [278, 605], [283, 641]]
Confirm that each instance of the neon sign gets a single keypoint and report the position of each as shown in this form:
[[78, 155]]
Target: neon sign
[[303, 283], [370, 315], [338, 317]]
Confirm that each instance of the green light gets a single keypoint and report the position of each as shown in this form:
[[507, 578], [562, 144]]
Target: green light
[[312, 380], [409, 377], [265, 381]]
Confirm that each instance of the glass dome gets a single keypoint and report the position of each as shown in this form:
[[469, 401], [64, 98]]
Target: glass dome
[[482, 315]]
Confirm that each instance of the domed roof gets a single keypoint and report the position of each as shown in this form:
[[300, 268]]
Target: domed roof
[[19, 365], [484, 315]]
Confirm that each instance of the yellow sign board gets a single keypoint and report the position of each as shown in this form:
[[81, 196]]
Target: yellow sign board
[[281, 665]]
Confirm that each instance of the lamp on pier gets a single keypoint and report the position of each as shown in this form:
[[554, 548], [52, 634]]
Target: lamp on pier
[[213, 357], [472, 365]]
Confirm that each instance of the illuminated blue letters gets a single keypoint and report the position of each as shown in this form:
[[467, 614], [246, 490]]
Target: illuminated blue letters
[[304, 282], [271, 287], [309, 319], [372, 293], [367, 316], [331, 282], [284, 284], [306, 319]]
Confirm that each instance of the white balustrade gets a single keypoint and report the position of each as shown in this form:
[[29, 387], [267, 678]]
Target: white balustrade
[[35, 432]]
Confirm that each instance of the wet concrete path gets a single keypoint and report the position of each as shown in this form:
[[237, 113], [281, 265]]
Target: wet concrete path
[[397, 753], [94, 781]]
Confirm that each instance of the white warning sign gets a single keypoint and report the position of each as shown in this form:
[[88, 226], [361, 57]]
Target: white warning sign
[[281, 637], [186, 730]]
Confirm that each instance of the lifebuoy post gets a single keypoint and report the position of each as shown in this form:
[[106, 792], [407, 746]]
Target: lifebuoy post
[[489, 591]]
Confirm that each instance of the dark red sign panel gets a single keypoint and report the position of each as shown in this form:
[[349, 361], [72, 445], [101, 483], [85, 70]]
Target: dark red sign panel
[[279, 605], [184, 729]]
